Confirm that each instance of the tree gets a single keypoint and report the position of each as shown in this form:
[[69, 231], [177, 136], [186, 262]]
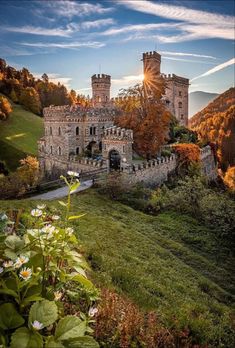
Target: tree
[[30, 99], [146, 115], [13, 96], [73, 96], [5, 108], [229, 178], [45, 78], [28, 171]]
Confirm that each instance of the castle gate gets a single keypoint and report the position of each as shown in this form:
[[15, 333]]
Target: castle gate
[[114, 160]]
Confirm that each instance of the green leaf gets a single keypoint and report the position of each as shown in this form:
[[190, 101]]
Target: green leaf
[[62, 203], [82, 280], [32, 298], [45, 312], [9, 317], [9, 292], [75, 186], [24, 338], [51, 343], [10, 254], [82, 342], [76, 217], [70, 327], [14, 242]]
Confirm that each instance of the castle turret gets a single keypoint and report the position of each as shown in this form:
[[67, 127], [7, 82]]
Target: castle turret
[[152, 67], [101, 84]]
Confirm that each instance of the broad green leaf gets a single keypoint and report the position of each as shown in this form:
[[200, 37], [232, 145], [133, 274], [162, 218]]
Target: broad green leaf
[[62, 203], [14, 243], [10, 254], [45, 312], [74, 217], [9, 292], [9, 317], [25, 338], [82, 342], [51, 343], [75, 186], [70, 327], [82, 280], [32, 298]]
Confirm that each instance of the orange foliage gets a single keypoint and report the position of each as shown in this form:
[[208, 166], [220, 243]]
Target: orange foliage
[[229, 178], [187, 153]]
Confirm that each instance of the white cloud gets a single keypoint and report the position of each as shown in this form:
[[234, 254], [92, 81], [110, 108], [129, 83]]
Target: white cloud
[[71, 45], [98, 23], [187, 60], [139, 28], [184, 54], [128, 79], [216, 68], [55, 78], [28, 29], [195, 24]]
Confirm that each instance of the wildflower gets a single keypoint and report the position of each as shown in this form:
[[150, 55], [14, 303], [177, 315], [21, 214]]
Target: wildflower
[[55, 217], [20, 261], [1, 270], [26, 273], [41, 206], [48, 229], [7, 264], [74, 174], [37, 325], [36, 212], [3, 217], [69, 230], [57, 295], [92, 311]]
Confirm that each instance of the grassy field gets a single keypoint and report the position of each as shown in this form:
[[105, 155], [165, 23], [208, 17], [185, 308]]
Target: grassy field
[[19, 135], [168, 262]]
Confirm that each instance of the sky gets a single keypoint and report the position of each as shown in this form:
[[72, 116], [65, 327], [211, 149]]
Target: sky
[[72, 40]]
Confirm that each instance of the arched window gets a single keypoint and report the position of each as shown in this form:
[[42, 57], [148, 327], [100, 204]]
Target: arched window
[[91, 130], [94, 130], [180, 105], [77, 150], [51, 150], [182, 116], [180, 94], [77, 130], [59, 131], [106, 98], [59, 151], [50, 130]]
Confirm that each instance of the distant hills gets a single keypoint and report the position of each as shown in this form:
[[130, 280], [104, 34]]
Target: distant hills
[[216, 123], [199, 100]]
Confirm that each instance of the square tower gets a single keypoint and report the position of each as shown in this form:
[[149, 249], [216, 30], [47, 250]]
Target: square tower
[[101, 84]]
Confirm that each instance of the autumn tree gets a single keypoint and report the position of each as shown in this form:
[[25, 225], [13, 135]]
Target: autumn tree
[[5, 108], [229, 178], [146, 115], [30, 99], [188, 154], [29, 171]]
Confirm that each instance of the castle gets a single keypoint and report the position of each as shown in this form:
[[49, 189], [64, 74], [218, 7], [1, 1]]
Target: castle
[[74, 131]]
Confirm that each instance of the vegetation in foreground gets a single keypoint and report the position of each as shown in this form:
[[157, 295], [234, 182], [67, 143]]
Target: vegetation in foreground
[[170, 263]]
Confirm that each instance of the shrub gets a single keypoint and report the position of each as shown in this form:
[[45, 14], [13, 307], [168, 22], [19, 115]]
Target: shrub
[[187, 154], [5, 108], [46, 296]]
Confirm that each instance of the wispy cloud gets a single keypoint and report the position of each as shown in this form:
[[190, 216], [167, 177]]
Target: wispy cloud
[[69, 9], [97, 23], [128, 79], [28, 29], [185, 54], [139, 28], [71, 45], [195, 24], [216, 68], [187, 60]]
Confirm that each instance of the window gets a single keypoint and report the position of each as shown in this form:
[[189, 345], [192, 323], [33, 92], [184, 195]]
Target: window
[[180, 94], [182, 116], [59, 151], [91, 130], [94, 130], [59, 131], [77, 130], [50, 130], [51, 150], [77, 150], [180, 105], [167, 102]]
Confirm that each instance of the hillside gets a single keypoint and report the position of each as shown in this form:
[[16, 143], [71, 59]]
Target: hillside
[[19, 135], [199, 100], [216, 123], [170, 262]]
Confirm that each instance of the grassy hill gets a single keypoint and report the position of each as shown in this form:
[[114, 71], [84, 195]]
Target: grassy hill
[[170, 262], [19, 135]]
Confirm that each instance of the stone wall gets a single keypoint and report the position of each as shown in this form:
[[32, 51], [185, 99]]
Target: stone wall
[[209, 167]]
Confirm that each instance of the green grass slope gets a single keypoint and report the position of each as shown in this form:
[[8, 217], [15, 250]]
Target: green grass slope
[[19, 135], [168, 262]]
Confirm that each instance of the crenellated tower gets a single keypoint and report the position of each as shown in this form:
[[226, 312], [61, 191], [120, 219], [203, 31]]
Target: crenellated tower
[[101, 84], [152, 68]]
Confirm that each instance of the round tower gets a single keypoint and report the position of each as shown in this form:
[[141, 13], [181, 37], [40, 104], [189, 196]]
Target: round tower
[[100, 89]]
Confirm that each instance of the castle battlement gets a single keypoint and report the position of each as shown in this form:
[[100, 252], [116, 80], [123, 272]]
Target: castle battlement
[[117, 133], [175, 78], [151, 54], [101, 78], [153, 163]]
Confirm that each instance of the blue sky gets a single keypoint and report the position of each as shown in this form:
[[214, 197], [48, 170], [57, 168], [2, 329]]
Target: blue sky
[[72, 40]]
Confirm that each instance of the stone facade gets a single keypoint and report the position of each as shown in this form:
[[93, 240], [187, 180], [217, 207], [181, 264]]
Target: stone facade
[[176, 97], [101, 84]]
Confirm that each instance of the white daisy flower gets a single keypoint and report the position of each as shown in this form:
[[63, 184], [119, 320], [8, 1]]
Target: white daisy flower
[[69, 230], [74, 174], [36, 212], [55, 217], [92, 312], [41, 206], [20, 261], [26, 273], [57, 295], [37, 325], [48, 229], [7, 264]]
